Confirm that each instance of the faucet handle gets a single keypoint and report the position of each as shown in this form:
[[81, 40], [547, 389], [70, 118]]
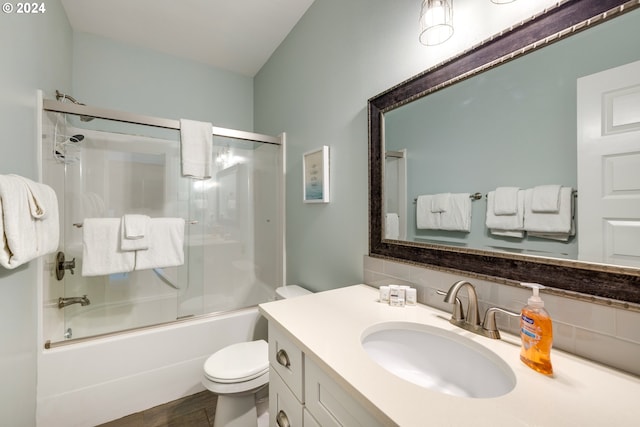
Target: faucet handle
[[489, 326], [458, 313]]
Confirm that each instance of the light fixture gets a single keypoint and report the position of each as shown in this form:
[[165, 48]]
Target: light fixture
[[436, 21], [502, 1]]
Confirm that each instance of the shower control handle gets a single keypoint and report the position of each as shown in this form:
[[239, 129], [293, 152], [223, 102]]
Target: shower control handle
[[62, 265], [283, 358], [282, 420]]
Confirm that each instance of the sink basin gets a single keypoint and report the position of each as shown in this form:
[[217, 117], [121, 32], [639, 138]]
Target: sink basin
[[438, 360]]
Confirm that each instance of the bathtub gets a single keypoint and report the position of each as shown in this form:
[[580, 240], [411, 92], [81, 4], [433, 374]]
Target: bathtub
[[93, 381]]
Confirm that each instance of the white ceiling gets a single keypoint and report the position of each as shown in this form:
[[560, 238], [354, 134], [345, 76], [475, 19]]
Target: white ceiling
[[235, 35]]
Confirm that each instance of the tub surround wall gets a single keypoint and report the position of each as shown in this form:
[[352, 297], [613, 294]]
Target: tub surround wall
[[604, 334]]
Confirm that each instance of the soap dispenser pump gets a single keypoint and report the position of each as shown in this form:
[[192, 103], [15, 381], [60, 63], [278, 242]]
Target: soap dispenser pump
[[536, 332]]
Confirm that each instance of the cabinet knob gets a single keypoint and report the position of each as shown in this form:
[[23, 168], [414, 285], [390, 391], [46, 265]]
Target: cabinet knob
[[281, 418], [283, 358]]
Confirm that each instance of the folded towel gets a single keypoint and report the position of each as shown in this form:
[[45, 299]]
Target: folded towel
[[28, 220], [505, 225], [507, 233], [546, 198], [196, 146], [549, 222], [505, 201], [36, 196], [134, 233], [440, 202], [392, 226], [166, 240], [135, 226], [101, 253], [425, 219], [458, 215]]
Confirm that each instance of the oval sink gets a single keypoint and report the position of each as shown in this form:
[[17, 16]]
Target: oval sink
[[438, 360]]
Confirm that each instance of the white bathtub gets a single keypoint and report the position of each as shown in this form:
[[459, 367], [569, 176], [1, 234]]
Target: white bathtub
[[88, 383]]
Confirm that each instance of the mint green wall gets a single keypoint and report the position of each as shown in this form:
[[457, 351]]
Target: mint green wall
[[114, 75], [36, 54], [315, 87]]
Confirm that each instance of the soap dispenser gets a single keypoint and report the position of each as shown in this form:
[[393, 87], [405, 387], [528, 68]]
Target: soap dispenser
[[536, 331]]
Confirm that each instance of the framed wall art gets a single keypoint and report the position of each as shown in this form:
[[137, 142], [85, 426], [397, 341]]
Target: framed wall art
[[315, 175]]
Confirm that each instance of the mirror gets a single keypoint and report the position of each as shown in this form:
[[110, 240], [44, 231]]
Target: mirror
[[403, 118]]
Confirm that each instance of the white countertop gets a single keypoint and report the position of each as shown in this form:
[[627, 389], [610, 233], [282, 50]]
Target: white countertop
[[328, 327]]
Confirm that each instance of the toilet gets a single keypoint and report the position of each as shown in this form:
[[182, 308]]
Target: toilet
[[239, 371]]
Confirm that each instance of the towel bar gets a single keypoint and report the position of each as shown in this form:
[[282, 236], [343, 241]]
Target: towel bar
[[192, 222], [474, 196]]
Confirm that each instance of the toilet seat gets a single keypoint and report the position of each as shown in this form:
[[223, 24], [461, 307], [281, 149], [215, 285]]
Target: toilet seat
[[238, 363]]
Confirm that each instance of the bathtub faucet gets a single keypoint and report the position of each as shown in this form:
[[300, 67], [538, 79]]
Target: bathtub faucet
[[63, 302]]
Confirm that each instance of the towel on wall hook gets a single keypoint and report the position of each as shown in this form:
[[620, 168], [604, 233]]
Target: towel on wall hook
[[28, 220]]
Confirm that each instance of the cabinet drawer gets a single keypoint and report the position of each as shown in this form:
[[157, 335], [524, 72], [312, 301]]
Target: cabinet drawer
[[329, 404], [283, 404], [287, 360]]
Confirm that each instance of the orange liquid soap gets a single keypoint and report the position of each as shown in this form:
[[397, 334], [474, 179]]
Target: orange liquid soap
[[536, 332]]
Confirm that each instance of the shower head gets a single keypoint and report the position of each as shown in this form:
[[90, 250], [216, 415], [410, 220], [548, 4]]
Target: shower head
[[76, 138], [63, 96]]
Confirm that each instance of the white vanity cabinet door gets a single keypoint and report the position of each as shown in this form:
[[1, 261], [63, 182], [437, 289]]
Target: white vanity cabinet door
[[287, 360], [283, 404], [308, 419], [329, 404]]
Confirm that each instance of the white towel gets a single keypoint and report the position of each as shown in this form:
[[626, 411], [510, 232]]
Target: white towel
[[166, 240], [505, 225], [196, 146], [101, 253], [546, 198], [548, 222], [392, 226], [440, 202], [425, 219], [458, 215], [28, 220], [505, 201], [134, 232]]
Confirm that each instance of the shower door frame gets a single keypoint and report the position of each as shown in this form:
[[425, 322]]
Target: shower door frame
[[55, 106], [120, 116]]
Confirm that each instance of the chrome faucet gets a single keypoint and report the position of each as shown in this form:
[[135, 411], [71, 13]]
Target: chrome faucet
[[472, 323], [63, 302], [489, 327]]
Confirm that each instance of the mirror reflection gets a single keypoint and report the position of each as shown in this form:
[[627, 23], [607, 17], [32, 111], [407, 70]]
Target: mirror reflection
[[516, 136]]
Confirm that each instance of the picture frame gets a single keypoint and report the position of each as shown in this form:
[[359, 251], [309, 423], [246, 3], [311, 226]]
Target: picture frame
[[315, 175]]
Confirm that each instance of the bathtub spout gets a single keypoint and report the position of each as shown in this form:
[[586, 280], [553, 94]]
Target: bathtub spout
[[63, 302]]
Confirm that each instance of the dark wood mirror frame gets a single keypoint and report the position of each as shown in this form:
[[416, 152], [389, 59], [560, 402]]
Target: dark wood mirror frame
[[582, 278]]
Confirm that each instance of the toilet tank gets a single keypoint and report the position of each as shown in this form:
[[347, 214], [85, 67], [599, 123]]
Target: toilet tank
[[290, 291]]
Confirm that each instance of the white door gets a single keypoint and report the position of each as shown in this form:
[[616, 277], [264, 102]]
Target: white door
[[609, 166]]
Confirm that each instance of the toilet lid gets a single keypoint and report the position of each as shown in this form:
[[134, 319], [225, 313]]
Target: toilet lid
[[238, 362]]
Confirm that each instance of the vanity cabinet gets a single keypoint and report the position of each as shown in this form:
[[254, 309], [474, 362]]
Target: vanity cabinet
[[302, 394]]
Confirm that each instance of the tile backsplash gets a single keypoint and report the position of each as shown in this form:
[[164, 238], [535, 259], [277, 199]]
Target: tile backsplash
[[604, 334]]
